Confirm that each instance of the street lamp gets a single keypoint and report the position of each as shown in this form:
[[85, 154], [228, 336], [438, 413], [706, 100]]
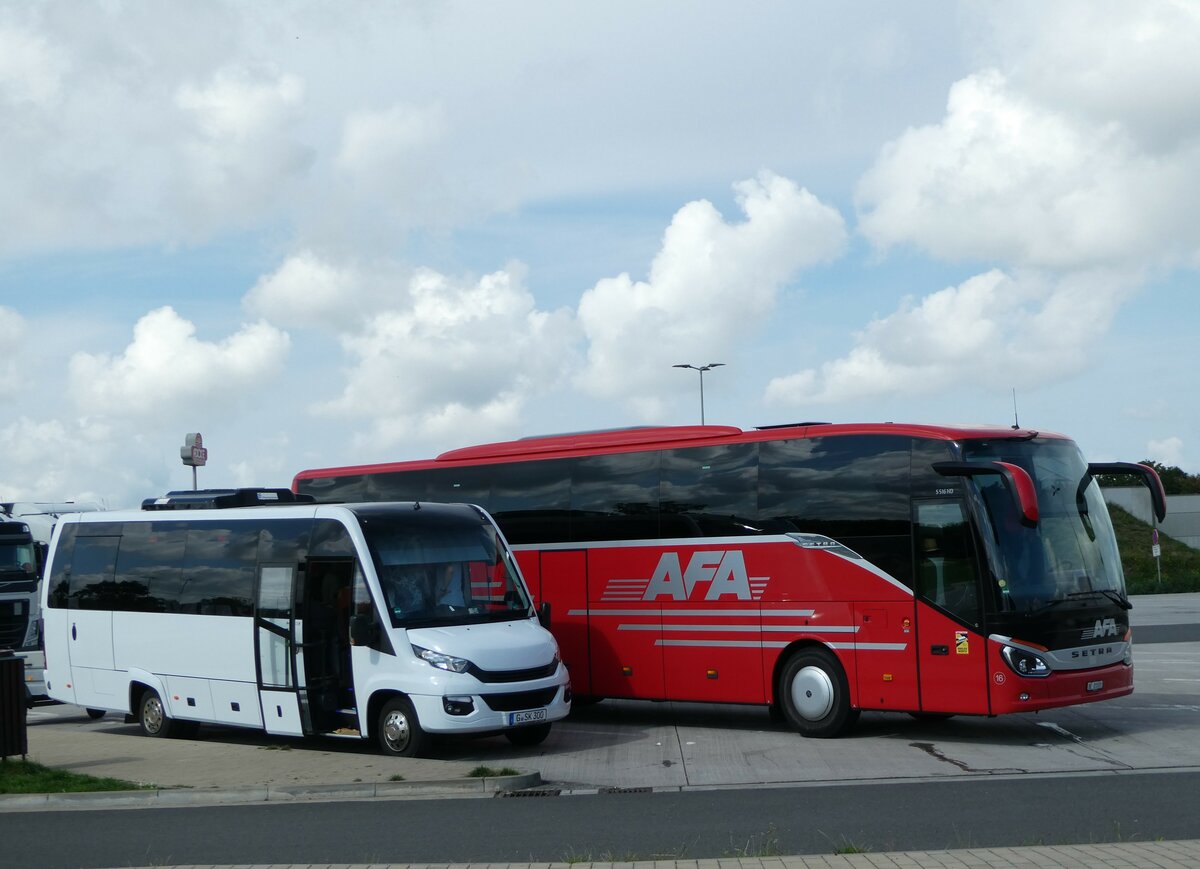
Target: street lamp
[[701, 369]]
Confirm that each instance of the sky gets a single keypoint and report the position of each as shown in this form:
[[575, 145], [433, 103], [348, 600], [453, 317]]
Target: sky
[[333, 233]]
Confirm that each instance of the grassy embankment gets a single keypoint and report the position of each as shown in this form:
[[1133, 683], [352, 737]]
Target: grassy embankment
[[1180, 563]]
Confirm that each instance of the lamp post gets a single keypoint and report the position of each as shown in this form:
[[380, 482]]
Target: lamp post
[[701, 369]]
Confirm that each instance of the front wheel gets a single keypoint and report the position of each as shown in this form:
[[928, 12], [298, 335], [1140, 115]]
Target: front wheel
[[533, 734], [815, 695], [152, 715], [400, 733]]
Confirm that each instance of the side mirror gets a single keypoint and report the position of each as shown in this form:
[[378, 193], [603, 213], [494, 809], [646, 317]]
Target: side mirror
[[364, 631], [1144, 474], [543, 614], [1018, 483]]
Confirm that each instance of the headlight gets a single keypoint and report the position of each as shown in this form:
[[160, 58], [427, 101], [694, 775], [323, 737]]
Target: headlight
[[1025, 663], [441, 661]]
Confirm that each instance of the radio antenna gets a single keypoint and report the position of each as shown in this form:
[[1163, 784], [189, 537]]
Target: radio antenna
[[1016, 422]]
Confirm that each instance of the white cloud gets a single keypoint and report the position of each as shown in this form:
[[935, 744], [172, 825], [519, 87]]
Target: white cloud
[[239, 152], [166, 366], [31, 68], [1003, 178], [710, 283], [307, 291], [993, 331], [1168, 451], [452, 359]]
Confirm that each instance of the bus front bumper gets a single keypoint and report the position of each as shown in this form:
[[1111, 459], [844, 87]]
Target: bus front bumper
[[473, 713], [1014, 693]]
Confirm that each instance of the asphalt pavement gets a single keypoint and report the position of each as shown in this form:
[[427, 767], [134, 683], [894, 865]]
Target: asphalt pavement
[[225, 765]]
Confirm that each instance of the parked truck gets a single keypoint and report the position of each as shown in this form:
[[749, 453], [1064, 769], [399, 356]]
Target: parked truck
[[25, 529]]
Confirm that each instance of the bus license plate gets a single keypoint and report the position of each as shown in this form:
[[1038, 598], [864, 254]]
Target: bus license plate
[[527, 716], [1095, 686]]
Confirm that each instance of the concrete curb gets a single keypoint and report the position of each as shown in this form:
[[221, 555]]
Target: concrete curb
[[167, 797]]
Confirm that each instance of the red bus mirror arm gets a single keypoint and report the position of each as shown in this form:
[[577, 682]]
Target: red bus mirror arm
[[1146, 474], [1016, 480]]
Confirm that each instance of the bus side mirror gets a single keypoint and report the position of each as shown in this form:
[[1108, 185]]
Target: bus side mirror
[[543, 614], [1144, 473], [364, 631], [1016, 480]]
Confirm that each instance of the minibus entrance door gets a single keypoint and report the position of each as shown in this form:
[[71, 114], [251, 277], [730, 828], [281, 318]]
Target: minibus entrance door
[[275, 646]]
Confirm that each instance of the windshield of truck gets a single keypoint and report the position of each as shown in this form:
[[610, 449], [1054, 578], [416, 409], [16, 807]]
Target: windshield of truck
[[448, 571], [1072, 553], [17, 561]]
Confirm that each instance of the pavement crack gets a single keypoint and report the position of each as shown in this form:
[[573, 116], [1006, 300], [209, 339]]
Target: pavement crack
[[932, 750]]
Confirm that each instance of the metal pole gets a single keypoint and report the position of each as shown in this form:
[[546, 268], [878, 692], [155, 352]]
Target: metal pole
[[194, 478], [701, 369]]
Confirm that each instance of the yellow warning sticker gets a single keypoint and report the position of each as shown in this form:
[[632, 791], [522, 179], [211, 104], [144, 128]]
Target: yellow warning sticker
[[962, 644]]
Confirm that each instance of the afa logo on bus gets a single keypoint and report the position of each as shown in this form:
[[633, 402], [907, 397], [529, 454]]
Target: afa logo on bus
[[712, 575]]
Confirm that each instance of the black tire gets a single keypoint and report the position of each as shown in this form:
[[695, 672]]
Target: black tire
[[533, 734], [94, 713], [814, 694], [152, 715], [399, 730]]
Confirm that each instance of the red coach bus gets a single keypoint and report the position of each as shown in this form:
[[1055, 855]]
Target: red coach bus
[[818, 569]]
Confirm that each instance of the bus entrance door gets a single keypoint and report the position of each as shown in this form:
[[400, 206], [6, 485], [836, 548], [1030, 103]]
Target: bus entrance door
[[275, 648], [952, 652]]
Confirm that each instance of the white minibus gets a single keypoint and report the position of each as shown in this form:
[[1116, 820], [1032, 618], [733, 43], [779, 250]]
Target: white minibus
[[390, 621]]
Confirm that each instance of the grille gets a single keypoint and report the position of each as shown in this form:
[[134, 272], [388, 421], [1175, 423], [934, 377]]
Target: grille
[[12, 628], [519, 700], [502, 676]]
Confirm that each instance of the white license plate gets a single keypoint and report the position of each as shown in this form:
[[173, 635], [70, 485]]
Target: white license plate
[[527, 716], [1095, 686]]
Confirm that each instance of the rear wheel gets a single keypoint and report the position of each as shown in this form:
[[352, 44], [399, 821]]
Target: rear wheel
[[534, 734], [152, 715], [814, 694], [400, 733], [94, 713]]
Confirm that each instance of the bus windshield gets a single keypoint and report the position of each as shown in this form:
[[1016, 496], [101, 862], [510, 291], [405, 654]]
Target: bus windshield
[[1072, 553], [443, 573]]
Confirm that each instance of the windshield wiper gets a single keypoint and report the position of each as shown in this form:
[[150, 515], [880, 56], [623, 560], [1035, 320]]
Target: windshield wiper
[[1115, 596]]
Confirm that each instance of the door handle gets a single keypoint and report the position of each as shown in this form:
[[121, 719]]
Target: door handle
[[72, 631], [939, 650]]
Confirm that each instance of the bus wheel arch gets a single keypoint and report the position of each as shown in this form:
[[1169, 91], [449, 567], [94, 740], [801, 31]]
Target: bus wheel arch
[[397, 729], [812, 691]]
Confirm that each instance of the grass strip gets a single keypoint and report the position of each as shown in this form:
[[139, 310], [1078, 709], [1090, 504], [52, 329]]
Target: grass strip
[[27, 777]]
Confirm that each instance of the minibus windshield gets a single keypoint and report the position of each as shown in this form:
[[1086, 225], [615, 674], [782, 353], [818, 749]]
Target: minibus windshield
[[442, 568]]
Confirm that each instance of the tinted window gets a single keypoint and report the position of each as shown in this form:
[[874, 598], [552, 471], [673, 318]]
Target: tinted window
[[330, 538], [332, 490], [854, 489], [713, 490], [148, 566], [60, 576], [283, 540], [92, 584], [459, 485], [531, 501], [615, 497], [218, 569]]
